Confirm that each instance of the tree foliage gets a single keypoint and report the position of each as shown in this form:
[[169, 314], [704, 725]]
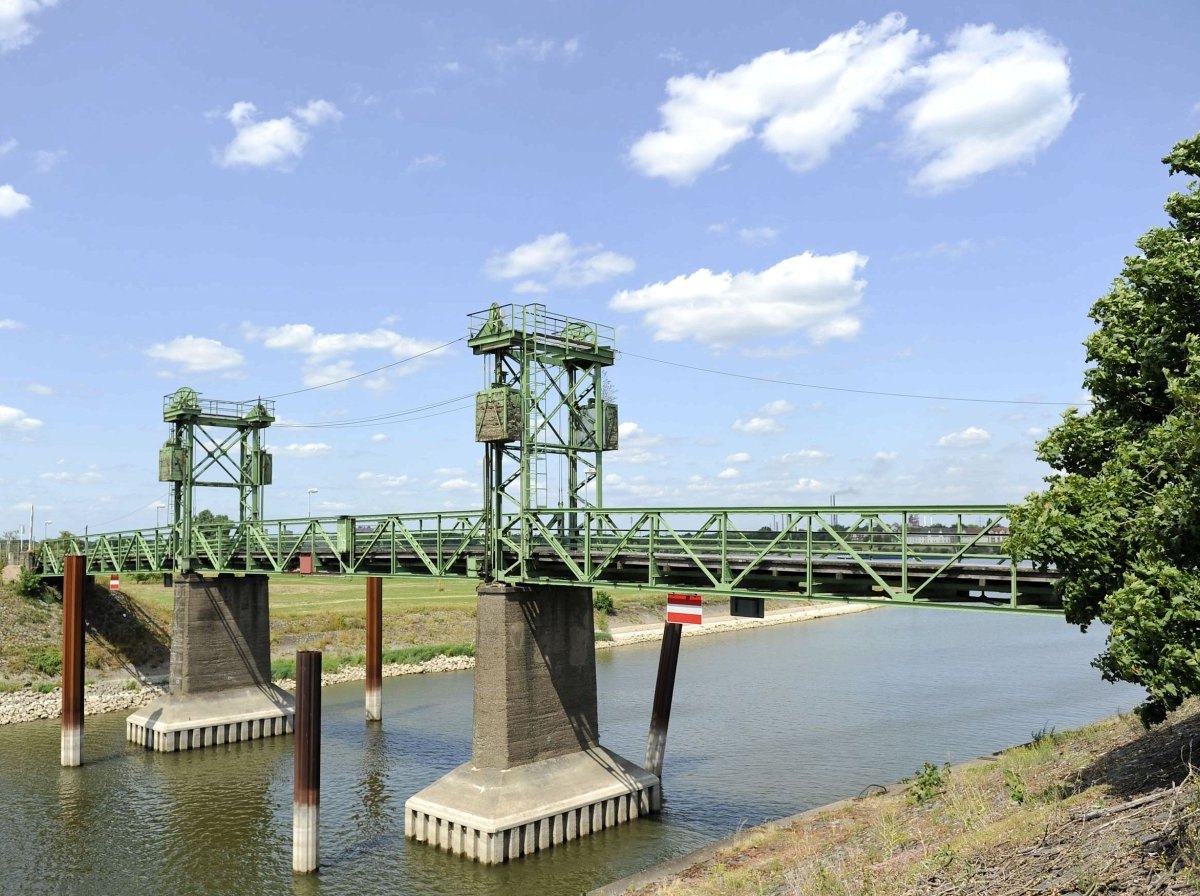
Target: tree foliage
[[1120, 518]]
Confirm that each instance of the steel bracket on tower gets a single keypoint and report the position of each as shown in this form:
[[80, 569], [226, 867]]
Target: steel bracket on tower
[[212, 444], [546, 416]]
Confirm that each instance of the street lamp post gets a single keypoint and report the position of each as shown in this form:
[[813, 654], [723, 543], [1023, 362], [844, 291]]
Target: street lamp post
[[46, 529], [312, 532]]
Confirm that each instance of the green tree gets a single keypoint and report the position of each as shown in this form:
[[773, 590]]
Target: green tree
[[1120, 518]]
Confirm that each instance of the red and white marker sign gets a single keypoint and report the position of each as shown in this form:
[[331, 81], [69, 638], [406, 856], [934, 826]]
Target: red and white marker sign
[[685, 609], [114, 583]]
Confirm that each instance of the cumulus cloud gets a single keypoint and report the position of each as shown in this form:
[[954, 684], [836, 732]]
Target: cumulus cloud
[[274, 142], [805, 454], [804, 484], [969, 437], [884, 457], [384, 481], [379, 437], [196, 354], [305, 449], [458, 484], [64, 476], [11, 202], [15, 418], [991, 100], [320, 350], [777, 407], [637, 445], [553, 260], [757, 425], [8, 146], [738, 457], [729, 473], [813, 294], [799, 104], [16, 31], [533, 49], [8, 323]]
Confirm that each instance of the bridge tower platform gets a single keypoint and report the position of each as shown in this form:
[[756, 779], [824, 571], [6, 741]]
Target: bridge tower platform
[[538, 776]]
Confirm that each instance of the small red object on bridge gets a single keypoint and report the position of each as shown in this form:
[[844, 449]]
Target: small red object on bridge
[[685, 609], [114, 582]]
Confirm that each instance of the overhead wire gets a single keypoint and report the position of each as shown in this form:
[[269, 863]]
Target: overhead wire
[[436, 348], [876, 392]]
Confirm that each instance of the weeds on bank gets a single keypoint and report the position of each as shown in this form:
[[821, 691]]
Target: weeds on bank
[[286, 668]]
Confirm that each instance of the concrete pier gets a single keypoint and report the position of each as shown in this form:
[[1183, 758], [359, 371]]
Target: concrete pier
[[538, 775], [221, 689]]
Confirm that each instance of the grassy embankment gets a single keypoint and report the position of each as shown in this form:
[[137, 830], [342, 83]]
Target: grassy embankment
[[131, 630], [1108, 809]]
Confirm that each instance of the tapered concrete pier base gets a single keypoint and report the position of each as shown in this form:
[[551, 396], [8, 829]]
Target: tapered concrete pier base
[[538, 776], [221, 689], [494, 815], [192, 721]]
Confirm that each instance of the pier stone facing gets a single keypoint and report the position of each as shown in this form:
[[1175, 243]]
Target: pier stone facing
[[220, 680], [538, 776]]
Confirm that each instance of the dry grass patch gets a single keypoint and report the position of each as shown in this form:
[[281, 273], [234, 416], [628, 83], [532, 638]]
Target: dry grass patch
[[1104, 810]]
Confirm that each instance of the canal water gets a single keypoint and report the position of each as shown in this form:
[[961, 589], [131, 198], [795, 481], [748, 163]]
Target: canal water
[[766, 723]]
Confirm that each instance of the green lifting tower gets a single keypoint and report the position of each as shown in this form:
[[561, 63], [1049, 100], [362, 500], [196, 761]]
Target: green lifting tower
[[545, 420], [213, 444]]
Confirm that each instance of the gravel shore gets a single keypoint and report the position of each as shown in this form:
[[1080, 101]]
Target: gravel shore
[[119, 695]]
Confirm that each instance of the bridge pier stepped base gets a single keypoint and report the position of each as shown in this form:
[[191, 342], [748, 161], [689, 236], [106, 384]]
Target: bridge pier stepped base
[[221, 690], [538, 776]]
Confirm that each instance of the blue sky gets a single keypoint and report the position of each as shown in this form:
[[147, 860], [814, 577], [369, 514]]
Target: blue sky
[[251, 200]]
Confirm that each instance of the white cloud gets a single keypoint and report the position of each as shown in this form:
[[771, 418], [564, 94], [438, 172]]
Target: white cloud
[[531, 49], [884, 457], [553, 260], [457, 484], [757, 236], [379, 437], [427, 162], [805, 454], [320, 350], [15, 418], [777, 407], [64, 476], [46, 160], [757, 425], [803, 484], [1035, 431], [318, 112], [8, 323], [810, 293], [636, 445], [8, 146], [739, 457], [39, 389], [384, 480], [276, 142], [991, 100], [11, 202], [968, 437], [305, 449], [196, 354], [801, 104], [729, 473], [15, 28]]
